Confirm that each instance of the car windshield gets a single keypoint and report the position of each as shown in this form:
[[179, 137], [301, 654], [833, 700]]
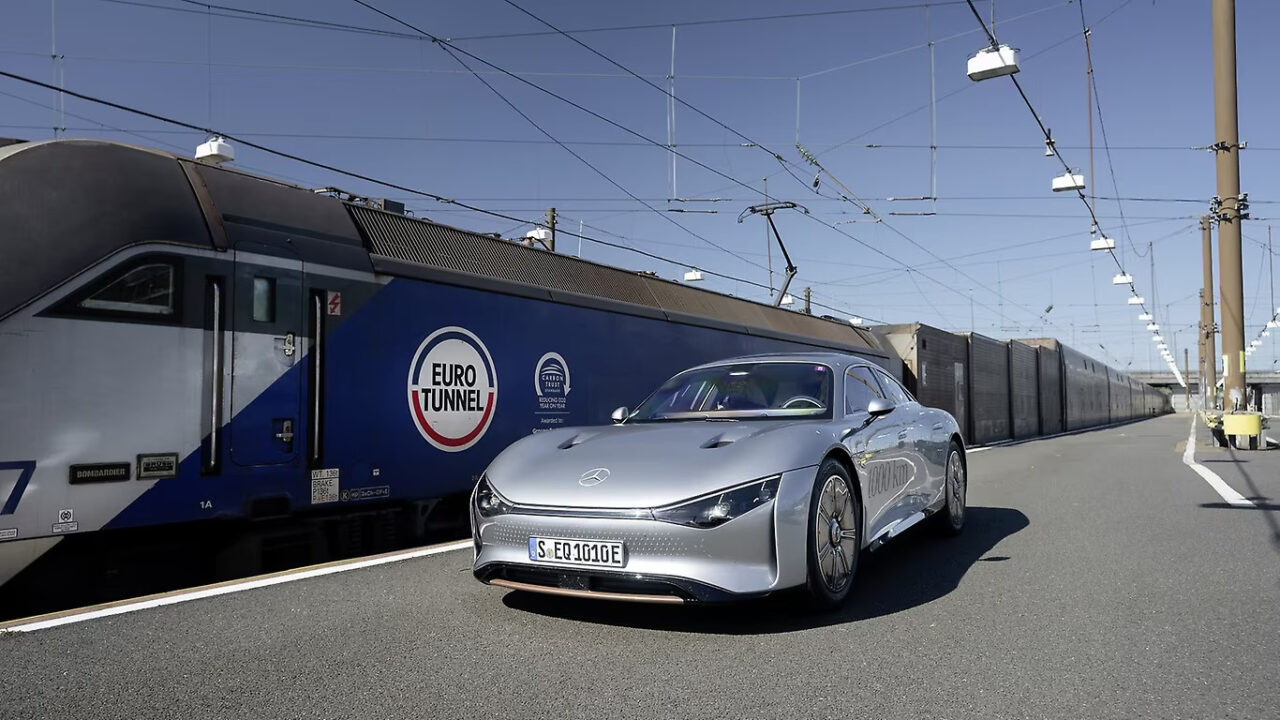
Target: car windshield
[[764, 390]]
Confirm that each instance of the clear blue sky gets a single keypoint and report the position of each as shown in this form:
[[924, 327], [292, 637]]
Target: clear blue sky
[[403, 110]]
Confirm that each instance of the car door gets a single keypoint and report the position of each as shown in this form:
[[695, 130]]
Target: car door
[[876, 445], [919, 424]]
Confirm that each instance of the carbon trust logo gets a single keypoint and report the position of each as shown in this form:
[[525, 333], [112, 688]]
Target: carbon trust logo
[[551, 382], [452, 389]]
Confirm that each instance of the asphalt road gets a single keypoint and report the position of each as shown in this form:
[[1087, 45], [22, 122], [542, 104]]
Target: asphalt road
[[1099, 577]]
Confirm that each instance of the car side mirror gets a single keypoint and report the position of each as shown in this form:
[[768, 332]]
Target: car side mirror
[[879, 406], [620, 415]]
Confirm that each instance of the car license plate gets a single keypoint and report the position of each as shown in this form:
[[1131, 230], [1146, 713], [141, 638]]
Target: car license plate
[[599, 553]]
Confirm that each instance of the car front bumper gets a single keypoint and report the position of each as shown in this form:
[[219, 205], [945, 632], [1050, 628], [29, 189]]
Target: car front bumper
[[754, 554]]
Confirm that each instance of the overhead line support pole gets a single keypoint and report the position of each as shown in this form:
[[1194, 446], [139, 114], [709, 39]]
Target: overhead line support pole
[[1210, 377], [551, 225], [933, 115], [1202, 357], [1186, 373], [1227, 147]]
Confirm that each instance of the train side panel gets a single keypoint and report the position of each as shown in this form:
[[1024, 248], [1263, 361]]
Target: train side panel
[[1049, 366], [988, 390], [1086, 399], [1024, 390]]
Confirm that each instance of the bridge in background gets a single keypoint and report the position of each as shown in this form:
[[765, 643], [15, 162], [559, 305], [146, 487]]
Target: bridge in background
[[1267, 384]]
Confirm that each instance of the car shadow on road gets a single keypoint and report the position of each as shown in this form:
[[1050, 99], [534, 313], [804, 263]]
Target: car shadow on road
[[916, 569]]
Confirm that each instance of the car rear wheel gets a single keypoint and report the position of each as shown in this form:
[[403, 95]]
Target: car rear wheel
[[835, 535], [951, 519]]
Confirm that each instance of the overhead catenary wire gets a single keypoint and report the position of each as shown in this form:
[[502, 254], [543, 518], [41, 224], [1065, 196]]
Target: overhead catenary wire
[[438, 40], [638, 144], [868, 210], [921, 46], [277, 18], [832, 308], [571, 151], [716, 171], [245, 65], [819, 152], [1056, 151], [422, 35], [1106, 144]]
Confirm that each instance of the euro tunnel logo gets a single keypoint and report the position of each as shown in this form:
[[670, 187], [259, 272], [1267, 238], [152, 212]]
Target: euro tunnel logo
[[453, 389]]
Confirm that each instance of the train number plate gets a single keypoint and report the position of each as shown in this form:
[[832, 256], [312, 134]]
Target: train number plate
[[595, 553]]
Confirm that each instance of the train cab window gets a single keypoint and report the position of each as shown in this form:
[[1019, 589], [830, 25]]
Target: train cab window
[[860, 388], [264, 299], [149, 289]]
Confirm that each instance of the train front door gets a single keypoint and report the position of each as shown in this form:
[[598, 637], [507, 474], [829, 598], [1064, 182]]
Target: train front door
[[267, 331]]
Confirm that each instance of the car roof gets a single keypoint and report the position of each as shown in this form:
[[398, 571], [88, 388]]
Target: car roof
[[836, 360]]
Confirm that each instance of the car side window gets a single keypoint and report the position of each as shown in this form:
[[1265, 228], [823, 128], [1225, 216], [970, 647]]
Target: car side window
[[893, 390], [860, 388]]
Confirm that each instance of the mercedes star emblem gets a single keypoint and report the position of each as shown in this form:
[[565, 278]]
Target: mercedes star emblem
[[593, 477]]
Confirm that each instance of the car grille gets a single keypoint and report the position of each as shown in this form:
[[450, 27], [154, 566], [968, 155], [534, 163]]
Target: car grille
[[638, 542]]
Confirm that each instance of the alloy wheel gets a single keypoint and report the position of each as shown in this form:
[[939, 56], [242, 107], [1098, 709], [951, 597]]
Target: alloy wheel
[[836, 534]]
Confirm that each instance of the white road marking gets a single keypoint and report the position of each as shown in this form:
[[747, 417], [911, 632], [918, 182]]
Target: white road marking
[[1222, 488], [234, 587]]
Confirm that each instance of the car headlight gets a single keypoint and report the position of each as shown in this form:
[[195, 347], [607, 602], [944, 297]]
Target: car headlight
[[488, 502], [714, 510]]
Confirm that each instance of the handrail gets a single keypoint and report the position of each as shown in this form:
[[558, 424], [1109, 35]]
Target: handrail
[[217, 327]]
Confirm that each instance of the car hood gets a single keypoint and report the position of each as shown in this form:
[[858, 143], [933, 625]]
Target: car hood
[[650, 464]]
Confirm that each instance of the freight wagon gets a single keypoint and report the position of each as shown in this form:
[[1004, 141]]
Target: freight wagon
[[205, 369], [1000, 390]]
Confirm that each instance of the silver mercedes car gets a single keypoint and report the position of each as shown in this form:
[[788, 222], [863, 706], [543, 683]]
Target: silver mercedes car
[[735, 479]]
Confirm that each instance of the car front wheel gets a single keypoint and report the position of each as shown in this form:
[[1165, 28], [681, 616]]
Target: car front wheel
[[835, 535]]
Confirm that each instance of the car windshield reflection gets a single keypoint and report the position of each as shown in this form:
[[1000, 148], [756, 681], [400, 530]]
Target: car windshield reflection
[[743, 391]]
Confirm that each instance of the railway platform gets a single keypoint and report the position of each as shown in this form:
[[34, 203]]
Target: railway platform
[[1101, 575]]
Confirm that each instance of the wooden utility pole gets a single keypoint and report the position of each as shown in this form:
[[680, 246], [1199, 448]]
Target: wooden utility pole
[[551, 225], [1201, 357], [1209, 378], [1186, 374], [1226, 148]]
